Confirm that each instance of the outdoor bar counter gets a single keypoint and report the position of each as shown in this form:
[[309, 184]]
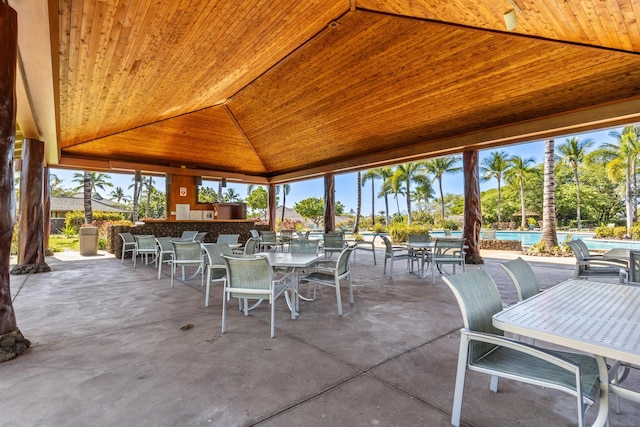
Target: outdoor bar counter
[[160, 228]]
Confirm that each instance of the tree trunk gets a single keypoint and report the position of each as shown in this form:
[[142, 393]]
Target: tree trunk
[[329, 203], [499, 207], [8, 60], [408, 201], [386, 209], [523, 219], [373, 203], [30, 241], [441, 197], [575, 171], [284, 201], [271, 205], [356, 226], [549, 236], [628, 198], [472, 206], [88, 214]]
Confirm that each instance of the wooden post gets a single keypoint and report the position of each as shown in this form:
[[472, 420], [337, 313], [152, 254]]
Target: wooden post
[[30, 241], [272, 207], [329, 203], [16, 344], [46, 210], [472, 206]]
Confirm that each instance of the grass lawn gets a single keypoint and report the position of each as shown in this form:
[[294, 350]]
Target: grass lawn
[[60, 242]]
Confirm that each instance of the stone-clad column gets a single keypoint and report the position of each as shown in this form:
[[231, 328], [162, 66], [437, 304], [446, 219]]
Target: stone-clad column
[[329, 203]]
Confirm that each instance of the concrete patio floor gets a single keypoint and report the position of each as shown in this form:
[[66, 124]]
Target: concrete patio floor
[[108, 349]]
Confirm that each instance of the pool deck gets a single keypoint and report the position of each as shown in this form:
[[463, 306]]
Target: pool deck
[[114, 346]]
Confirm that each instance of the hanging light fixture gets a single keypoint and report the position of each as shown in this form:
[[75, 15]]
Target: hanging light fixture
[[510, 16], [223, 182], [198, 180], [138, 176]]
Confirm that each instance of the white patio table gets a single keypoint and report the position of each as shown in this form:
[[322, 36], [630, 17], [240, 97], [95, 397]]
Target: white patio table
[[598, 318], [294, 261]]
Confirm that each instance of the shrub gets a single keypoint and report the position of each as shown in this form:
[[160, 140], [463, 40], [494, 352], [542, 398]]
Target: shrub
[[14, 239], [379, 228], [400, 232], [447, 224]]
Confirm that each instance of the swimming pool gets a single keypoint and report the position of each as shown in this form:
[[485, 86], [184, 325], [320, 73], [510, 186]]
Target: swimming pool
[[528, 238]]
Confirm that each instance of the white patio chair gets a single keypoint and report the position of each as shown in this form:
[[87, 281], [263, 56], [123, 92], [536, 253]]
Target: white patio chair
[[268, 241], [199, 237], [216, 270], [251, 277], [446, 251], [128, 244], [523, 278], [254, 233], [590, 268], [145, 246], [165, 253], [484, 349], [393, 253], [332, 243], [416, 255], [250, 247], [331, 275], [187, 254]]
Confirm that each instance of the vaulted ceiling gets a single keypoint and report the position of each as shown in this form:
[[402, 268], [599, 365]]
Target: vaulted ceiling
[[279, 90]]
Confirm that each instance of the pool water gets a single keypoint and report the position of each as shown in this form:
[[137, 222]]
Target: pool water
[[528, 238]]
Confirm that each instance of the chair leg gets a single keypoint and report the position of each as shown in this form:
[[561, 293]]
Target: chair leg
[[206, 293], [338, 298], [273, 318], [461, 372], [493, 384], [350, 290], [224, 308]]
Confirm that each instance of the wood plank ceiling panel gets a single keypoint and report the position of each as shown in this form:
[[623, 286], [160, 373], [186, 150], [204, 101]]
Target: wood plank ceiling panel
[[206, 139], [128, 63], [374, 82], [611, 24]]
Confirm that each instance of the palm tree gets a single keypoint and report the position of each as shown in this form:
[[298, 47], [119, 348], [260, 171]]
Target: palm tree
[[386, 173], [90, 182], [286, 189], [495, 166], [395, 183], [231, 196], [407, 172], [423, 191], [356, 226], [149, 184], [438, 167], [118, 195], [623, 156], [372, 174], [518, 171], [549, 236], [572, 153]]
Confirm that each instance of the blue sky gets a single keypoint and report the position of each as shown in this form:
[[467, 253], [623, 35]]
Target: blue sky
[[346, 183]]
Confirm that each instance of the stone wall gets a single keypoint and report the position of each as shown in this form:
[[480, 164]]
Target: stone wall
[[175, 229], [501, 245]]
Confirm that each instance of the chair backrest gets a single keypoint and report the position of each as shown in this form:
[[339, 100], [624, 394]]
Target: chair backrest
[[523, 278], [127, 238], [634, 268], [199, 237], [164, 243], [146, 242], [577, 250], [418, 238], [342, 264], [286, 234], [583, 247], [333, 240], [479, 300], [303, 246], [248, 273], [268, 236], [215, 251], [447, 232], [254, 234], [388, 246], [250, 246], [448, 247], [489, 234], [187, 251], [230, 239], [188, 235]]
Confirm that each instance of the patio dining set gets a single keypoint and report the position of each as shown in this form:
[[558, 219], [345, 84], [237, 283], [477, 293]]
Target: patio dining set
[[260, 270]]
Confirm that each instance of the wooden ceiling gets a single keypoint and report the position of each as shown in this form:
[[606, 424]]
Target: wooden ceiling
[[275, 90]]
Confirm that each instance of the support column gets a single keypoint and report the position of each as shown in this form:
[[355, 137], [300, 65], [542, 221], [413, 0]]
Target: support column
[[472, 206], [329, 203], [272, 207], [14, 344], [30, 239], [46, 210]]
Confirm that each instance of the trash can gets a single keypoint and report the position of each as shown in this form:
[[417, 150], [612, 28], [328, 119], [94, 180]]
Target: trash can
[[88, 241]]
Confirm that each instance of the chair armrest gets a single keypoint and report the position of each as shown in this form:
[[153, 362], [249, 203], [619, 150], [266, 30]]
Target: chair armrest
[[522, 347]]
